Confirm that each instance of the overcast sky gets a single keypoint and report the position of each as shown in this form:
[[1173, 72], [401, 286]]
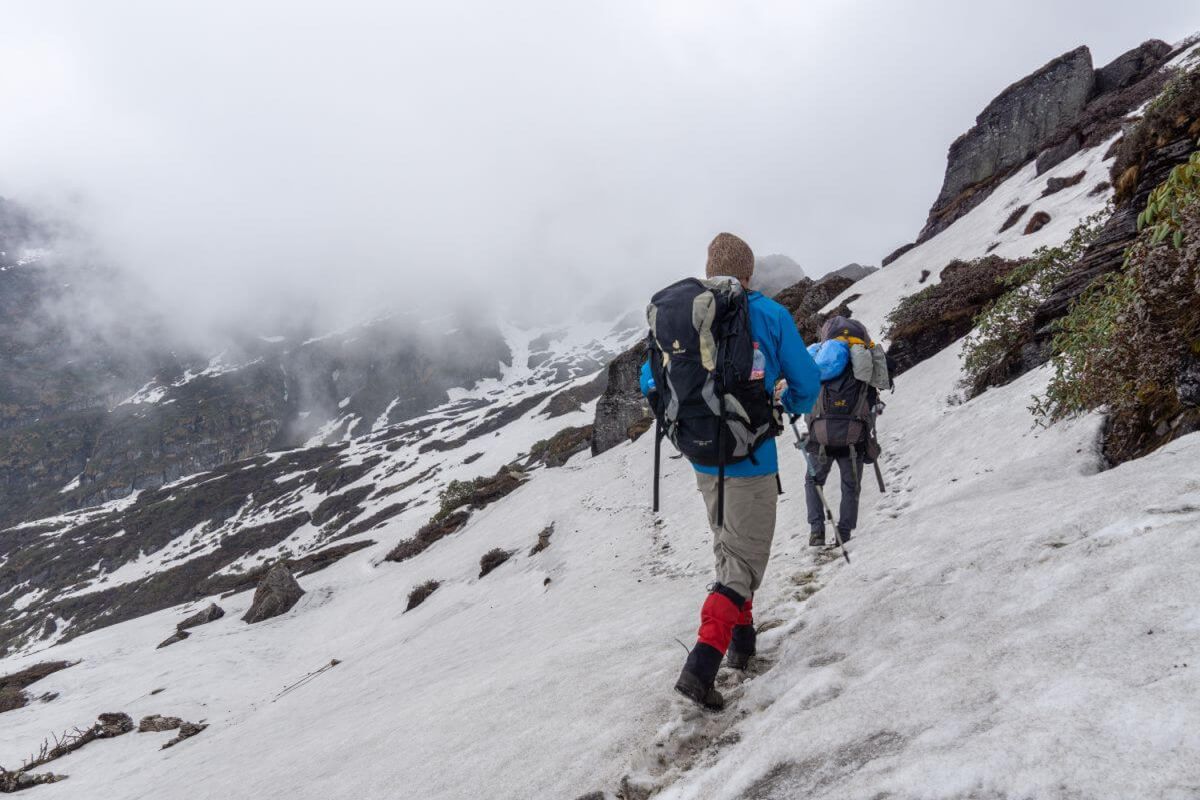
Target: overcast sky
[[238, 154]]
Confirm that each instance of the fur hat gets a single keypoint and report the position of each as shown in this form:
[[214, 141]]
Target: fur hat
[[729, 255]]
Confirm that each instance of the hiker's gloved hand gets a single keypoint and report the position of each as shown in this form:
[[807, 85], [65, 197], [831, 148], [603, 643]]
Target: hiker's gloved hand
[[878, 409], [780, 388]]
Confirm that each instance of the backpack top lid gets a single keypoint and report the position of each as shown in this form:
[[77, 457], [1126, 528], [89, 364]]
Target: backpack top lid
[[846, 329]]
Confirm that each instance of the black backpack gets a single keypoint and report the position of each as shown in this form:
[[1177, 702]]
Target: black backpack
[[701, 355], [842, 415]]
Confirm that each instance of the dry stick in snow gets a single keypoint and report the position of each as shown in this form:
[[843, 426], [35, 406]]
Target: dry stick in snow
[[307, 678]]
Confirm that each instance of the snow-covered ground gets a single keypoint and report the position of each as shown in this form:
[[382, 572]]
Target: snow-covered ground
[[1015, 623]]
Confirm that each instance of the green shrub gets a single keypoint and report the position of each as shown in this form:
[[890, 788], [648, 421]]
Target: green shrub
[[1005, 324], [1122, 343], [906, 310], [454, 496]]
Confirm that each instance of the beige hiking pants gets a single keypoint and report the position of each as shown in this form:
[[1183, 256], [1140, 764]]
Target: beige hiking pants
[[743, 545]]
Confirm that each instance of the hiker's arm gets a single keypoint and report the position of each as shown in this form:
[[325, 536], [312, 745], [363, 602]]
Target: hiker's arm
[[644, 378], [798, 368]]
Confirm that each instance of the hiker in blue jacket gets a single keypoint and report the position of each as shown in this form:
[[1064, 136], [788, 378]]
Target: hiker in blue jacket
[[742, 544]]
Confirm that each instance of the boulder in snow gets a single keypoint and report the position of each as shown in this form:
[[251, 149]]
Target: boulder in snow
[[213, 612], [275, 595], [175, 638], [622, 413]]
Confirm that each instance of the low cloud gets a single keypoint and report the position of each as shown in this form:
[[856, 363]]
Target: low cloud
[[253, 162]]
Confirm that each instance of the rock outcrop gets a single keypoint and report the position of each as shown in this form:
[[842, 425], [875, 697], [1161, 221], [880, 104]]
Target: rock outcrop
[[1165, 138], [211, 613], [1131, 66], [174, 638], [938, 315], [806, 298], [275, 595], [1051, 114], [622, 413], [1010, 131]]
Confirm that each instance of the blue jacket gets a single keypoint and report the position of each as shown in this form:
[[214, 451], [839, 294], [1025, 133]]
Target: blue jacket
[[785, 356]]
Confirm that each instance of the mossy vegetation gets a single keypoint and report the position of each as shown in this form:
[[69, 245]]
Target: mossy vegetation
[[421, 593], [1174, 113], [1006, 324], [1122, 346]]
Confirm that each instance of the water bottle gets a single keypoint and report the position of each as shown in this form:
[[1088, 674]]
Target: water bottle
[[759, 370]]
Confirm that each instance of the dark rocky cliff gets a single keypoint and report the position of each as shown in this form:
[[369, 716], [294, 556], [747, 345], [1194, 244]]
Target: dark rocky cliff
[[1050, 114]]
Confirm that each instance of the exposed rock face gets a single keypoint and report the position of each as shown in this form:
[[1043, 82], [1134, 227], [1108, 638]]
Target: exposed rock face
[[1131, 66], [1011, 130], [276, 595], [211, 613], [622, 408], [573, 399], [806, 298], [1052, 114], [1122, 86]]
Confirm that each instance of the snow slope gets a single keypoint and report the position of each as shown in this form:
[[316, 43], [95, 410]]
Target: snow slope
[[1015, 623]]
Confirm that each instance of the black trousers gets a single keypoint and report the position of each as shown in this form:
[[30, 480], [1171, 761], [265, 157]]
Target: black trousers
[[851, 486]]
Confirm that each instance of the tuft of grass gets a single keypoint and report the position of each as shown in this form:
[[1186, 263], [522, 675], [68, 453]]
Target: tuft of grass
[[492, 559], [421, 593]]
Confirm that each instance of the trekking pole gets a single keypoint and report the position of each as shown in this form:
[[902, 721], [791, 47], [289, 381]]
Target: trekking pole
[[658, 437], [820, 490], [875, 463]]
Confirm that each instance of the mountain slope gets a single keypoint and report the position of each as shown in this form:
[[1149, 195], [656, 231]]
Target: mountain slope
[[1016, 621]]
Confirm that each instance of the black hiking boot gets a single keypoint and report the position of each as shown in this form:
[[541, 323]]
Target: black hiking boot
[[698, 676], [816, 537], [845, 534], [741, 649]]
